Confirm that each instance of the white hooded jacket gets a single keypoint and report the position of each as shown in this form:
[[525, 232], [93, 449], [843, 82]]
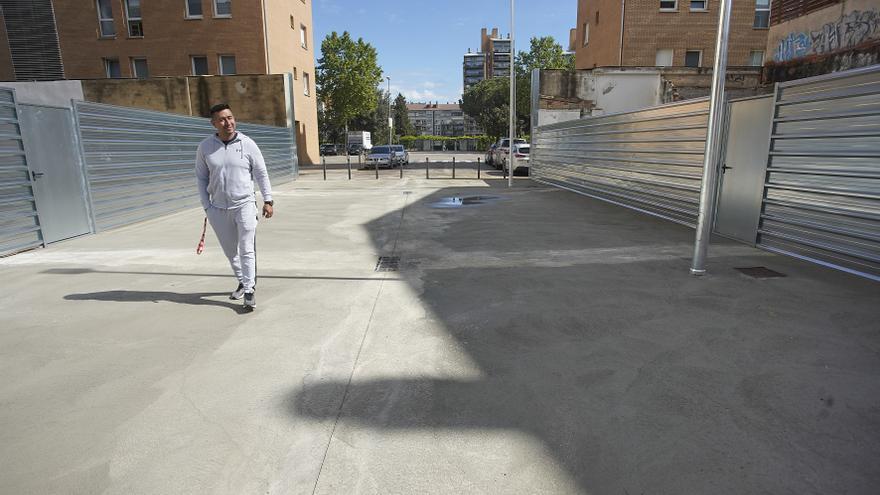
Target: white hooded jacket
[[226, 172]]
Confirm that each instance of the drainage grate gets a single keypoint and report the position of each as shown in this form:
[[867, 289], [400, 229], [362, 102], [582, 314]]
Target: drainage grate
[[760, 272], [388, 264]]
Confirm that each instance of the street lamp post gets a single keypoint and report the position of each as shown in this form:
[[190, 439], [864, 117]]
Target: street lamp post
[[390, 118], [511, 158]]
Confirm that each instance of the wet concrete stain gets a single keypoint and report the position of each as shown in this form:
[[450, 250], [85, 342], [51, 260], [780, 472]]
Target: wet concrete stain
[[460, 202]]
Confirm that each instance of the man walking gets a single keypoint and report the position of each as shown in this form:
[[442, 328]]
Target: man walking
[[227, 164]]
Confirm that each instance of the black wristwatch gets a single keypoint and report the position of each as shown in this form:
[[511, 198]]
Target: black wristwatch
[[270, 203]]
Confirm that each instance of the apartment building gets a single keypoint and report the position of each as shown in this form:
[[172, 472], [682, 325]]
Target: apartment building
[[141, 39], [437, 119], [667, 33], [493, 59]]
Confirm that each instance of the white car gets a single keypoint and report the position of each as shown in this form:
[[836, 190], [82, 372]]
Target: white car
[[500, 152], [521, 154]]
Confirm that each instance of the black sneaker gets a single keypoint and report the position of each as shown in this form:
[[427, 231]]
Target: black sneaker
[[237, 293], [249, 300]]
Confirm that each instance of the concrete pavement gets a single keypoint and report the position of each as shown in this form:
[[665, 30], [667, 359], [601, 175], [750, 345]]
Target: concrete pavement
[[533, 341]]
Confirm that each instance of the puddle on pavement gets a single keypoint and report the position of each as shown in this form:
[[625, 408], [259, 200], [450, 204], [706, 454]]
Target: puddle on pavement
[[461, 201]]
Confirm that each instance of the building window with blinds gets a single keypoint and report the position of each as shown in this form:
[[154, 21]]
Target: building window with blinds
[[133, 18], [227, 65], [105, 19], [222, 8], [762, 13], [193, 9]]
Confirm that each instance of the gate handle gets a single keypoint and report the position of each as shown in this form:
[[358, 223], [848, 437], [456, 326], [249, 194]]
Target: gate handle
[[36, 175], [725, 167]]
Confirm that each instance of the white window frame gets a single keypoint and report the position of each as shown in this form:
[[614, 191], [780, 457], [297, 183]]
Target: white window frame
[[303, 36], [193, 16], [704, 9], [107, 62], [129, 19], [192, 64], [751, 57], [306, 90], [671, 56], [762, 9], [586, 39], [134, 72], [102, 20], [674, 8], [222, 16], [699, 62], [220, 65]]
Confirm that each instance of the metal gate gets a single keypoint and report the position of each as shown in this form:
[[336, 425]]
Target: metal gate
[[140, 163], [822, 190], [19, 222], [650, 160], [56, 170]]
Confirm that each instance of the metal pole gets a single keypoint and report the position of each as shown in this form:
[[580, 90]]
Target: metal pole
[[427, 175], [713, 140], [512, 98], [453, 167], [324, 162], [478, 167]]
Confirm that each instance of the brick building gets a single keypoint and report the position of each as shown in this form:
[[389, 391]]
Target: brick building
[[679, 33], [139, 39]]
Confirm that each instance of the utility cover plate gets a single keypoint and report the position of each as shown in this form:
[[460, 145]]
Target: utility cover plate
[[760, 272], [388, 264]]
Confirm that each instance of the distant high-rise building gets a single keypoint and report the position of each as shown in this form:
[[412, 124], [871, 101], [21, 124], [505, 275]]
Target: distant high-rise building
[[474, 68], [493, 59]]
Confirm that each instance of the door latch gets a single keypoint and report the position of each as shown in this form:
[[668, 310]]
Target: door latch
[[36, 175]]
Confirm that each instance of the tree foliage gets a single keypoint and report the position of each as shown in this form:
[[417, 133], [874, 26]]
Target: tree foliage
[[346, 78], [402, 125], [544, 53]]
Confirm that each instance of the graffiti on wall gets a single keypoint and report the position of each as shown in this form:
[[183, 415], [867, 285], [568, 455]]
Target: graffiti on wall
[[850, 30]]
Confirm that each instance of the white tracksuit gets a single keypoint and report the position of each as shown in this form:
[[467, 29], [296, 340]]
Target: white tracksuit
[[226, 175]]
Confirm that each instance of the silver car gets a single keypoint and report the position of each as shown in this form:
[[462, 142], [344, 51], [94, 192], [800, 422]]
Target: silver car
[[400, 154], [382, 156]]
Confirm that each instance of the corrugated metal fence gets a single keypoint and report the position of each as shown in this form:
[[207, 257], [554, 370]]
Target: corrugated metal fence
[[19, 224], [822, 193], [650, 159], [140, 163]]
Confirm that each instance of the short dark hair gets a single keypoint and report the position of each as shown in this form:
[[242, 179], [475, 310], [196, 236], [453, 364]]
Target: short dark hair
[[219, 108]]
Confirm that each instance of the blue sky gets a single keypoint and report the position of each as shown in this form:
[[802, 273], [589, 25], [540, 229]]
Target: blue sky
[[421, 43]]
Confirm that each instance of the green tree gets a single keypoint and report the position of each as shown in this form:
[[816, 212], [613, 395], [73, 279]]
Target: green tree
[[346, 79], [375, 121], [544, 53], [402, 125], [487, 102]]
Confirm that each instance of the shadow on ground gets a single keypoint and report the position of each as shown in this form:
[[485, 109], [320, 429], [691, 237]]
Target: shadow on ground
[[637, 377], [196, 299]]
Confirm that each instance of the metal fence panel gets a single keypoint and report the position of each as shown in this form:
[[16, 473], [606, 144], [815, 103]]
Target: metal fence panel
[[19, 223], [140, 163], [650, 160], [822, 190]]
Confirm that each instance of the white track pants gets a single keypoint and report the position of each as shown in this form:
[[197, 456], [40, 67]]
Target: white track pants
[[236, 229]]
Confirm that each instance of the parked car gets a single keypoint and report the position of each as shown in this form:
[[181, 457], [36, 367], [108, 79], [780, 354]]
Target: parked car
[[490, 155], [383, 156], [329, 150], [355, 149], [501, 150], [521, 154], [400, 154]]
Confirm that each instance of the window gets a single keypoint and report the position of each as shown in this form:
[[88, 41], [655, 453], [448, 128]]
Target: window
[[111, 68], [199, 65], [693, 58], [597, 17], [756, 58], [302, 36], [222, 8], [669, 5], [699, 5], [227, 65], [586, 33], [663, 58], [139, 68], [105, 19], [762, 13], [306, 90], [133, 18], [193, 9]]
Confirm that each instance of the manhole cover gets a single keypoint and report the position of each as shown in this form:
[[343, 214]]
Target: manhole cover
[[760, 272], [388, 264]]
